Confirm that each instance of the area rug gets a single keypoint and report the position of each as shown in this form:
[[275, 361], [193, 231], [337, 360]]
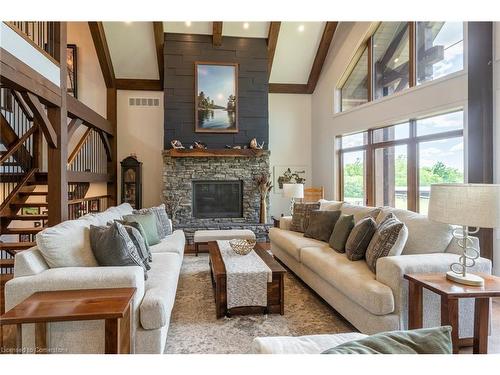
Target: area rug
[[194, 328]]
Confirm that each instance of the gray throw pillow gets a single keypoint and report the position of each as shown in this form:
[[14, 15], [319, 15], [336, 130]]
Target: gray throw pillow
[[419, 341], [301, 214], [321, 224], [388, 240], [140, 245], [162, 222], [139, 227], [341, 232], [359, 239], [112, 246]]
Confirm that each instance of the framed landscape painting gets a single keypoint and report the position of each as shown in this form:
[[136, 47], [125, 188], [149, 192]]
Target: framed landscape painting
[[216, 97]]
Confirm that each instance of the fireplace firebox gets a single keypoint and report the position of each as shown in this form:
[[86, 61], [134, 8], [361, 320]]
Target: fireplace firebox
[[217, 199]]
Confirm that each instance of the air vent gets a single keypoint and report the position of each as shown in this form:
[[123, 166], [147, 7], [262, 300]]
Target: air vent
[[143, 102]]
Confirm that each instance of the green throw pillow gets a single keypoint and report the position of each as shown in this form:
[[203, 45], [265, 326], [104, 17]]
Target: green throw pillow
[[148, 223], [341, 232], [420, 341]]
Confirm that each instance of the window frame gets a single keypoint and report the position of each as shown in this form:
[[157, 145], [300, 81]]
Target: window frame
[[412, 82], [412, 143]]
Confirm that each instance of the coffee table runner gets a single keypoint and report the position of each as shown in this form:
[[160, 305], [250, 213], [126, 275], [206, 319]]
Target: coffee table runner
[[246, 277]]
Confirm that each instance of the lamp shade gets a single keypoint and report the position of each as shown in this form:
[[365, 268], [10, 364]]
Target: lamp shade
[[474, 205], [293, 190]]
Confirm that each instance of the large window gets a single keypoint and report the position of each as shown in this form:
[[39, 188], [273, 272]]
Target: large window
[[401, 55], [395, 165]]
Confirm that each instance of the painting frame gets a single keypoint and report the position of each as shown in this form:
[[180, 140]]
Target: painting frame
[[72, 75], [197, 127]]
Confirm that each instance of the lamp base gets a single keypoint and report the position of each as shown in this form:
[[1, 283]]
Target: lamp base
[[468, 279]]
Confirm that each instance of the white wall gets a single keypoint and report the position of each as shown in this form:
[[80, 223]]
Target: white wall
[[436, 96], [140, 131], [496, 129], [289, 139]]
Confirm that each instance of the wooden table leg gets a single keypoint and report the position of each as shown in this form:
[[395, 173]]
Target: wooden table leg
[[111, 336], [282, 294], [481, 320], [449, 317], [19, 339], [415, 311], [41, 338]]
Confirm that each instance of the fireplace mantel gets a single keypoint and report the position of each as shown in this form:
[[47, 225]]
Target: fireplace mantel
[[215, 153]]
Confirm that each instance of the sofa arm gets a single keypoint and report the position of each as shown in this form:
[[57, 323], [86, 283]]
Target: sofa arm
[[285, 222], [71, 278]]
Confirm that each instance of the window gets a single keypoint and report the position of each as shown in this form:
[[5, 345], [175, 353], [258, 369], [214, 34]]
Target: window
[[355, 90], [391, 54], [440, 49], [403, 54], [396, 165]]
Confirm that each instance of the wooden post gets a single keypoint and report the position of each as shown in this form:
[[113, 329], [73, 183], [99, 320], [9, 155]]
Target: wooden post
[[58, 157], [111, 115]]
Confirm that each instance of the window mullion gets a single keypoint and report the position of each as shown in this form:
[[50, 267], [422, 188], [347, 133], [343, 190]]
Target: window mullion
[[370, 68], [412, 54], [370, 171], [412, 169]]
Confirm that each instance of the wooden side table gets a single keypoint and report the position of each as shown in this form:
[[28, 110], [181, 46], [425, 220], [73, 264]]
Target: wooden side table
[[450, 293], [112, 305]]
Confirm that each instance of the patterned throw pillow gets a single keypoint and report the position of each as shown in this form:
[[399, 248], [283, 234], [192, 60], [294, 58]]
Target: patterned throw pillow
[[142, 232], [321, 224], [140, 244], [301, 214], [161, 216], [341, 232], [359, 239], [389, 240], [112, 246]]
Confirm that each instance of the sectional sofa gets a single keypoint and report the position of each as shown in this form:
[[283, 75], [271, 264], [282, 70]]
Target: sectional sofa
[[153, 300], [375, 302]]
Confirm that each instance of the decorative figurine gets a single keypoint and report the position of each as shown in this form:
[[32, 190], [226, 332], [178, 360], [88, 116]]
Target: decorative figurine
[[255, 145], [176, 144]]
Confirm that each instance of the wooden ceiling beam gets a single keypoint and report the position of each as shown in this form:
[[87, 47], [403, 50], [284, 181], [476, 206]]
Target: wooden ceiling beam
[[287, 88], [139, 84], [319, 60], [102, 50], [217, 33], [73, 125], [76, 109], [272, 41], [41, 118], [159, 41]]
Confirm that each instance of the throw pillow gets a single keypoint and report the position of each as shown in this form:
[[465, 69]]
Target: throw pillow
[[162, 223], [419, 341], [359, 239], [321, 224], [148, 222], [341, 232], [388, 240], [139, 227], [301, 214], [140, 244], [112, 246], [325, 205]]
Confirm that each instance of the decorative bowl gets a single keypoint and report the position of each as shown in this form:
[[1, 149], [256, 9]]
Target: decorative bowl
[[242, 247]]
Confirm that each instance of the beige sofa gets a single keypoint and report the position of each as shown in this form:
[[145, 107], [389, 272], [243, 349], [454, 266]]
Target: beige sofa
[[375, 302], [153, 301]]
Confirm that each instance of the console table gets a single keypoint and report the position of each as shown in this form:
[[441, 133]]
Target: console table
[[450, 293], [112, 305]]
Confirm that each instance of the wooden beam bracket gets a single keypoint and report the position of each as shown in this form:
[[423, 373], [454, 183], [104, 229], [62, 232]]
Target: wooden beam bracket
[[217, 34], [41, 118]]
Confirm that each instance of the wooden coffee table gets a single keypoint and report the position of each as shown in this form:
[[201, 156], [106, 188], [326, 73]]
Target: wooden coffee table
[[450, 293], [112, 305], [275, 289]]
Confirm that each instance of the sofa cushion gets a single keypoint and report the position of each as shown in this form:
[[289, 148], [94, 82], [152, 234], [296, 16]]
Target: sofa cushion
[[173, 243], [321, 224], [389, 240], [67, 244], [325, 205], [291, 242], [341, 232], [111, 214], [124, 209], [300, 217], [359, 212], [353, 279], [159, 290], [359, 239], [424, 236]]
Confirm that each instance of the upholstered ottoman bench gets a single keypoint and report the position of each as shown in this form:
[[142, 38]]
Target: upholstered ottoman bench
[[205, 236]]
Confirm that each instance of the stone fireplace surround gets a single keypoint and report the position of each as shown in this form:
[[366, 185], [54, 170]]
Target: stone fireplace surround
[[179, 171]]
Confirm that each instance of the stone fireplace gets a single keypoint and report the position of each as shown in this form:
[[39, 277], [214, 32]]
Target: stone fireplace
[[215, 190]]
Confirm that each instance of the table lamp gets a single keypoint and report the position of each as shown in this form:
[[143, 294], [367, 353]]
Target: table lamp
[[466, 205], [293, 191]]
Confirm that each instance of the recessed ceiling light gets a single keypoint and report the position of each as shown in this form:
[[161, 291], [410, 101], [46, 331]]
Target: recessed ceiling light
[[188, 23], [374, 46], [301, 28], [396, 59], [246, 25]]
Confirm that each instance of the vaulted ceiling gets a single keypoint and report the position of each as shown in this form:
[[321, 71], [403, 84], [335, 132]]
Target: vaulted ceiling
[[296, 49]]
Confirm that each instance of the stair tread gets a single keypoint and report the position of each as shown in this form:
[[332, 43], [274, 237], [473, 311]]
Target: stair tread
[[27, 204], [22, 230], [25, 217], [6, 263], [37, 193], [16, 246]]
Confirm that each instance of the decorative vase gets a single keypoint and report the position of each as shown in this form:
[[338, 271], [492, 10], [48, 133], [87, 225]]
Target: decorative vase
[[263, 211]]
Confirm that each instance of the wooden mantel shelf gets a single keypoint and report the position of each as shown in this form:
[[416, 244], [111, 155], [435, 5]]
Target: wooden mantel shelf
[[215, 153]]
